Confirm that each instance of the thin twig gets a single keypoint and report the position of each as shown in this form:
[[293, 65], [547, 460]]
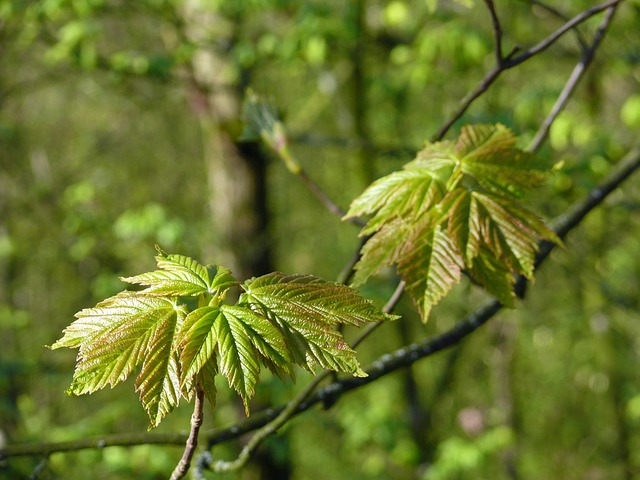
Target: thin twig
[[513, 60], [323, 197], [192, 442], [39, 469], [385, 365], [490, 77], [497, 31], [578, 72], [557, 13], [268, 430], [551, 39]]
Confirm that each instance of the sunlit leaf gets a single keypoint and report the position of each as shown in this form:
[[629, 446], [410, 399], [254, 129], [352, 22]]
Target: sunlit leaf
[[457, 202], [266, 338], [410, 191], [159, 379], [197, 340], [309, 297], [280, 321], [430, 266], [121, 333], [305, 309], [237, 360], [183, 276], [488, 153]]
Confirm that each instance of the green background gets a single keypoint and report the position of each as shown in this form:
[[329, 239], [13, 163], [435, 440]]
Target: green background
[[107, 147]]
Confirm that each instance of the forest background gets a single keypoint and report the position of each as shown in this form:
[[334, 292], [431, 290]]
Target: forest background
[[120, 128]]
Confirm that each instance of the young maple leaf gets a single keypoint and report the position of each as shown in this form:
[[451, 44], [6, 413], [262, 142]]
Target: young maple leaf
[[117, 336], [280, 321], [305, 309], [456, 206]]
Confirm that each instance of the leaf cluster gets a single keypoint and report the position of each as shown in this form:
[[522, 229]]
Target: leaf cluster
[[455, 208], [179, 334]]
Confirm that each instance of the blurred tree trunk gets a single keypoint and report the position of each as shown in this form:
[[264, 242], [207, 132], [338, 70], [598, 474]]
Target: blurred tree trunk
[[235, 172]]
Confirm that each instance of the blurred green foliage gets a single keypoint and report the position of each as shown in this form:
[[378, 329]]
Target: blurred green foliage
[[102, 155]]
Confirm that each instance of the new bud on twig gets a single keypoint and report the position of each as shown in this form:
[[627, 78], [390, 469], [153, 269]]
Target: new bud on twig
[[261, 122]]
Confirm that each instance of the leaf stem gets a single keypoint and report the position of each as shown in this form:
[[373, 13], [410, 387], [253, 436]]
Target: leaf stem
[[192, 442]]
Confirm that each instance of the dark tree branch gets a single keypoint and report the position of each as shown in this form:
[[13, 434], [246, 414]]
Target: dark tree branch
[[551, 39], [410, 354], [577, 74], [497, 31], [557, 13], [384, 365], [514, 60]]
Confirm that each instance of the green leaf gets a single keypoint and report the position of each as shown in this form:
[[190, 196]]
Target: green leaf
[[381, 250], [197, 341], [493, 275], [279, 321], [431, 266], [306, 296], [488, 153], [237, 359], [513, 239], [411, 191], [305, 309], [119, 334], [263, 341], [183, 276], [460, 208], [159, 379], [206, 380], [266, 338], [456, 202]]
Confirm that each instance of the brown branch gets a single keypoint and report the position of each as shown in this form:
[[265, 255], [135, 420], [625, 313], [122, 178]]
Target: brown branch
[[577, 74], [551, 39], [384, 365], [557, 13], [97, 443], [512, 60], [497, 31], [192, 442], [410, 354]]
